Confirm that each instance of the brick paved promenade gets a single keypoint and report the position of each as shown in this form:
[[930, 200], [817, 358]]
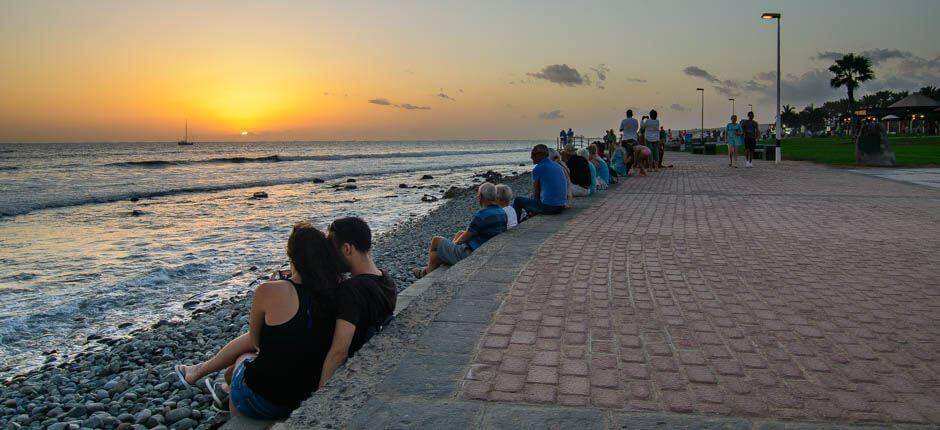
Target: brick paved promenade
[[790, 296], [790, 292]]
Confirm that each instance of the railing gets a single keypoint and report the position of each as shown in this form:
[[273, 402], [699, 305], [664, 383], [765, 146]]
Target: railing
[[577, 141]]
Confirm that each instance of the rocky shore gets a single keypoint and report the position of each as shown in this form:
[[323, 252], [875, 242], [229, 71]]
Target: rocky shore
[[131, 384]]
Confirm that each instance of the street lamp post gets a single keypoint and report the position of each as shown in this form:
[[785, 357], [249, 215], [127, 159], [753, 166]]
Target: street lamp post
[[702, 129], [750, 107], [776, 15], [732, 106]]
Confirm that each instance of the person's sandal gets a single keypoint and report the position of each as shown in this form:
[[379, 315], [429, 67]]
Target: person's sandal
[[219, 395], [419, 272]]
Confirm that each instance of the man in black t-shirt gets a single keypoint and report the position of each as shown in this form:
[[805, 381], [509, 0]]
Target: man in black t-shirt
[[751, 132], [365, 302]]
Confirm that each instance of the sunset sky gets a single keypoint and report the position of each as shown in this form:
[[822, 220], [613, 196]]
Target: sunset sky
[[302, 70]]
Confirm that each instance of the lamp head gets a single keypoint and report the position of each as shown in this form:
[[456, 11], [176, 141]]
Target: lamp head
[[700, 89], [770, 15]]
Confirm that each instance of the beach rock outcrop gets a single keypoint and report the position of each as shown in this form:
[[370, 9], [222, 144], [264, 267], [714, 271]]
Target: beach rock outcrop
[[426, 177], [402, 185], [318, 181], [427, 198], [350, 187], [259, 195], [351, 180], [452, 192]]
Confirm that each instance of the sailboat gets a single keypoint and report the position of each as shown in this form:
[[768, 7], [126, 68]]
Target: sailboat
[[185, 140]]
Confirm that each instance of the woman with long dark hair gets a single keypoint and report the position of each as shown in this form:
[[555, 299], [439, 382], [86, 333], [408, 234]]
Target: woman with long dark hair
[[276, 365]]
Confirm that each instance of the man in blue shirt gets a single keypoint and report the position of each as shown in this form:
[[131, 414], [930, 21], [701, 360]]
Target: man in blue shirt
[[486, 223], [549, 186]]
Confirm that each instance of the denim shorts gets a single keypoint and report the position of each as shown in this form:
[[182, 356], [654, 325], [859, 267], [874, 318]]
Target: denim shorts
[[450, 252], [251, 404]]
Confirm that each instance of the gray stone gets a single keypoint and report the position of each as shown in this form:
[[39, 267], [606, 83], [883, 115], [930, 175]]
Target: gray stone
[[126, 418], [872, 147], [177, 414], [185, 424], [142, 416], [95, 407]]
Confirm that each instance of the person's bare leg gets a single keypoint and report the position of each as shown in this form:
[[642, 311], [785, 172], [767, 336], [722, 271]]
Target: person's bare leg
[[239, 360], [433, 260], [222, 359]]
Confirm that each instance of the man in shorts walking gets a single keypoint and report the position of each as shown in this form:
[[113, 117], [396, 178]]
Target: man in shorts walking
[[751, 132]]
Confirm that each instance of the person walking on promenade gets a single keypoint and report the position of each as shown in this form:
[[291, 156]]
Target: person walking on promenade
[[570, 136], [650, 129], [751, 132], [733, 135], [549, 187], [563, 138]]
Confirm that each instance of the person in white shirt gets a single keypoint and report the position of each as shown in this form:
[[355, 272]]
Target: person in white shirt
[[650, 130], [504, 200], [629, 127]]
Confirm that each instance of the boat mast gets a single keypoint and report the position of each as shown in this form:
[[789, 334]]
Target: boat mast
[[186, 132]]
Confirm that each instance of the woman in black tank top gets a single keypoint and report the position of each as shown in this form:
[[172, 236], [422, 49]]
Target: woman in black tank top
[[277, 364]]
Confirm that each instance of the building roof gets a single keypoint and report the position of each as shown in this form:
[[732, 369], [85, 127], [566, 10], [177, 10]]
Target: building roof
[[915, 101]]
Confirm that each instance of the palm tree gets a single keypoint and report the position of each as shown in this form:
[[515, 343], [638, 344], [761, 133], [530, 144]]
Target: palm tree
[[788, 116], [850, 71]]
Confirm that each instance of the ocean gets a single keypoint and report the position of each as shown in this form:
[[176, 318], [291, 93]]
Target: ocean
[[100, 239]]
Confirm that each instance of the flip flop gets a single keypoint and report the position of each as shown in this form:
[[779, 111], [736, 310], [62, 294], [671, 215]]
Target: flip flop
[[181, 375], [219, 396]]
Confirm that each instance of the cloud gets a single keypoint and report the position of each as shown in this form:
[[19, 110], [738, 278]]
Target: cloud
[[636, 80], [877, 56], [827, 55], [766, 76], [601, 71], [410, 106], [407, 106], [679, 108], [445, 96], [561, 74], [698, 72], [555, 114]]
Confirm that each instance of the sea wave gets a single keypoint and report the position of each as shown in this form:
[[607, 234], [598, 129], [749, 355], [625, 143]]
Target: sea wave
[[281, 158], [31, 206]]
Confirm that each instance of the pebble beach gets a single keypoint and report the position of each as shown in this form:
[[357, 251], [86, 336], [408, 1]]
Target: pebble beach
[[130, 383]]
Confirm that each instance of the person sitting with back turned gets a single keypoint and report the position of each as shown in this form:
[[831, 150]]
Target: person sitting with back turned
[[365, 301], [504, 200], [549, 187], [580, 171], [277, 364], [556, 157], [486, 224]]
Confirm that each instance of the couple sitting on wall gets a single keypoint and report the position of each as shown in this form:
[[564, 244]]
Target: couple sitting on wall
[[500, 212], [302, 325]]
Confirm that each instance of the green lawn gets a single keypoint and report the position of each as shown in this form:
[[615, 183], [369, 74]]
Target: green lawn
[[908, 150]]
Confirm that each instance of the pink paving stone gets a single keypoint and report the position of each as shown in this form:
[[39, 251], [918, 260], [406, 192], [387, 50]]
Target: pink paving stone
[[576, 385], [540, 393], [824, 335], [523, 337], [607, 398], [573, 367], [542, 375], [509, 383], [515, 365], [607, 378]]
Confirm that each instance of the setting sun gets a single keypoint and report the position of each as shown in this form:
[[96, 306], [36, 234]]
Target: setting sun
[[244, 133]]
